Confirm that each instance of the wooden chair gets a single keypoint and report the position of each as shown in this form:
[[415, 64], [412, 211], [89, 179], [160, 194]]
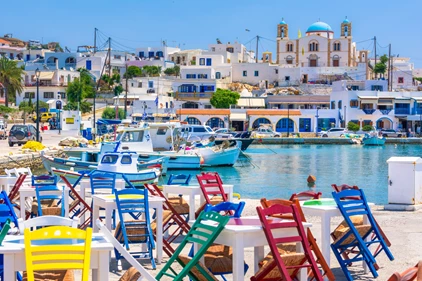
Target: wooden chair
[[14, 196], [181, 179], [7, 212], [179, 204], [212, 190], [49, 255], [305, 195], [355, 237], [103, 182], [45, 221], [4, 230], [410, 274], [285, 266]]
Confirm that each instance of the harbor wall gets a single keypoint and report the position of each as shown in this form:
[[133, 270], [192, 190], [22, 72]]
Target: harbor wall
[[31, 160], [330, 141]]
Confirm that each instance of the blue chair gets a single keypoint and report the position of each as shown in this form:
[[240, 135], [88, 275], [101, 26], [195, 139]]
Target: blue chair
[[354, 241], [7, 213], [181, 179], [220, 252], [103, 182], [134, 231], [49, 202], [44, 180]]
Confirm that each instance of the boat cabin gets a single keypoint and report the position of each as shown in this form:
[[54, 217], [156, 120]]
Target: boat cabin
[[135, 139], [119, 162]]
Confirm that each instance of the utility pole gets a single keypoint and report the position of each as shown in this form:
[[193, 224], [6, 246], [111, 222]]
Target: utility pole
[[95, 40], [375, 46], [126, 87], [256, 54], [109, 57], [389, 66]]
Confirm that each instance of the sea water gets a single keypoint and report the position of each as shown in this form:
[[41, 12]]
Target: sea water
[[277, 171]]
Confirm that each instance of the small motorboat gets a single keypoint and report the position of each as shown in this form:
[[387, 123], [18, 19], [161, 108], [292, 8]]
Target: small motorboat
[[373, 139]]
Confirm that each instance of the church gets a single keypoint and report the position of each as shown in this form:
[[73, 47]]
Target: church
[[319, 48]]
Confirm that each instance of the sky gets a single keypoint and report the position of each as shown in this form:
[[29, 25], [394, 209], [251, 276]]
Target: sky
[[195, 24]]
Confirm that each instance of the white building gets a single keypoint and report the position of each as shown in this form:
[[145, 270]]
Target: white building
[[156, 52], [232, 52], [185, 57]]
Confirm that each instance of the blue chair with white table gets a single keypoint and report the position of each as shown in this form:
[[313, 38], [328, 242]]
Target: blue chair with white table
[[103, 182], [181, 179]]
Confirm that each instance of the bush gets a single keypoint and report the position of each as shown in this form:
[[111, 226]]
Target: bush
[[351, 126], [367, 128]]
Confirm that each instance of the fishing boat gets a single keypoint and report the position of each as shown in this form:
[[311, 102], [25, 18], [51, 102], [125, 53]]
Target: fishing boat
[[119, 163], [373, 139], [225, 154]]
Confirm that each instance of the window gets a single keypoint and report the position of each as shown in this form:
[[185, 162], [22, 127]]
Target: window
[[339, 104], [201, 61], [199, 130], [289, 47], [202, 76], [333, 105], [213, 49], [150, 84], [203, 89], [401, 80], [191, 76], [161, 131], [304, 124], [62, 95], [150, 54], [355, 88], [141, 54], [48, 95], [256, 73], [289, 60], [230, 50], [276, 71], [313, 47], [117, 57], [215, 122], [139, 84], [109, 159], [336, 46], [193, 121], [187, 88], [218, 75], [354, 103], [126, 159], [29, 94], [377, 88], [135, 136], [209, 62], [286, 78], [245, 73]]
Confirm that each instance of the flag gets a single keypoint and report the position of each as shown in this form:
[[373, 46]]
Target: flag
[[299, 34], [303, 51], [156, 101]]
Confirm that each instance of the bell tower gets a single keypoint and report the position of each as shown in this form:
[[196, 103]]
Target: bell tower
[[283, 30], [346, 28]]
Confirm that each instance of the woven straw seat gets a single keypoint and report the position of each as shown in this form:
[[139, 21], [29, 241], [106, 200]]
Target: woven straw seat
[[291, 259], [49, 207], [185, 260], [342, 227], [179, 204], [56, 275], [362, 230], [283, 249], [219, 259], [130, 275], [166, 219]]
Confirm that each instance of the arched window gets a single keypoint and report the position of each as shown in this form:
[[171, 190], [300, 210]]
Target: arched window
[[336, 46], [260, 121], [336, 61], [215, 122], [313, 60], [70, 60], [193, 121], [218, 75], [313, 46], [289, 60], [289, 47], [281, 125]]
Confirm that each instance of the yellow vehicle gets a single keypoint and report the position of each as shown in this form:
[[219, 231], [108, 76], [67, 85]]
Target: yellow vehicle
[[44, 117]]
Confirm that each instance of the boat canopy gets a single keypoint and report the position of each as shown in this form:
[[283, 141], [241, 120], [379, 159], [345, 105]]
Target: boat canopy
[[108, 122]]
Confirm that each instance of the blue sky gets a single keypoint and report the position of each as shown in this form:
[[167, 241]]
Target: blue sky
[[195, 24]]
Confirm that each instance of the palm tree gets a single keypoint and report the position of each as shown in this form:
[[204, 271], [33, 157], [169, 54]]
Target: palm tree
[[11, 78]]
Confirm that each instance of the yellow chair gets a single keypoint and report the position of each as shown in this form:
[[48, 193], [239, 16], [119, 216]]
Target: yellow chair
[[56, 248]]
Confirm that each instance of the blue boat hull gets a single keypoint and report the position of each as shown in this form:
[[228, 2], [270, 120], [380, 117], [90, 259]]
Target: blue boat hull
[[374, 141]]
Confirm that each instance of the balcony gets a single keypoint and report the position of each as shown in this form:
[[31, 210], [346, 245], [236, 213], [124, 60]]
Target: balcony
[[368, 111], [402, 111], [193, 96], [385, 111], [44, 84]]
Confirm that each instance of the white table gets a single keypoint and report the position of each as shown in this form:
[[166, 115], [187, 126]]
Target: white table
[[13, 250], [6, 182], [29, 192], [192, 191], [108, 202], [326, 213], [247, 232]]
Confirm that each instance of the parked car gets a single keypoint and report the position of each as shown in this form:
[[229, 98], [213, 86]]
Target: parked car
[[333, 132], [391, 133], [20, 134], [44, 117], [265, 132]]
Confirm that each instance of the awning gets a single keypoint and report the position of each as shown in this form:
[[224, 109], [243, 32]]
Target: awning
[[299, 102], [368, 97], [46, 75], [413, 117], [417, 98], [238, 117], [251, 102]]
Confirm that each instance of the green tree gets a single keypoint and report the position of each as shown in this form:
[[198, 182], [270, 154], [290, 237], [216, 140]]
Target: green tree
[[224, 98], [132, 71], [84, 106], [351, 126], [118, 90], [110, 113], [11, 78], [170, 71], [381, 67], [367, 128], [79, 89], [152, 70]]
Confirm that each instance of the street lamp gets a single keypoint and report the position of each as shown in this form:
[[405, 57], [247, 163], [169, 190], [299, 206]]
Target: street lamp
[[37, 75], [288, 119], [344, 115], [316, 123]]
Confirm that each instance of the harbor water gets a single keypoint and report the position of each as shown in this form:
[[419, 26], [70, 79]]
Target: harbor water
[[277, 171]]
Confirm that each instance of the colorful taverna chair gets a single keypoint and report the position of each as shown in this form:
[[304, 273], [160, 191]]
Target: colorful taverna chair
[[285, 266], [305, 195], [132, 202], [103, 182], [178, 203], [356, 236], [7, 213], [285, 249], [212, 188], [49, 255], [48, 201]]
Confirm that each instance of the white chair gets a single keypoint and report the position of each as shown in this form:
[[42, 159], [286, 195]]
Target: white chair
[[46, 221], [27, 171], [10, 173]]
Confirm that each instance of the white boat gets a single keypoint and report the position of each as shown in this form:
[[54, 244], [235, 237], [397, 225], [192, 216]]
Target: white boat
[[225, 154], [140, 141]]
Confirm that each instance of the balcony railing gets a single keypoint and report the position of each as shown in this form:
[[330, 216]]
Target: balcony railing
[[369, 111], [385, 111], [193, 96], [404, 111], [43, 84]]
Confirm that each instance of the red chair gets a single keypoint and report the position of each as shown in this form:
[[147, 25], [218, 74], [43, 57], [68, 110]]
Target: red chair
[[170, 218], [212, 188], [14, 195], [305, 195], [285, 266], [410, 274]]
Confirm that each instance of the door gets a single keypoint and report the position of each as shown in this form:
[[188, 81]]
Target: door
[[313, 63], [305, 78], [336, 63], [88, 65], [238, 125]]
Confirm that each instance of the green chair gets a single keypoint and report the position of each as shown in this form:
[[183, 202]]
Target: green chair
[[204, 234]]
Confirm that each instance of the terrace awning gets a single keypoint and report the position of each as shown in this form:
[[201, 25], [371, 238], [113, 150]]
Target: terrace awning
[[238, 116], [46, 75]]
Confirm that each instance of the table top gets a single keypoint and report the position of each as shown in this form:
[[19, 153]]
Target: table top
[[324, 208], [112, 197]]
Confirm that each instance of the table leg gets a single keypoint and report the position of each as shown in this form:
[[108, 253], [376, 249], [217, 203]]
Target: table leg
[[95, 215], [365, 266], [238, 259], [192, 208], [22, 205], [258, 256], [231, 194], [9, 268], [82, 193], [325, 238], [159, 246], [103, 266], [303, 273], [109, 217]]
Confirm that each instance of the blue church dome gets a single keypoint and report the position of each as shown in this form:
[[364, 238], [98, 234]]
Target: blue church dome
[[282, 21], [346, 20], [319, 26]]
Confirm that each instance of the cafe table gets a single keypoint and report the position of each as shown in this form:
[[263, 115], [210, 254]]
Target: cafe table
[[13, 250], [246, 232], [6, 182], [108, 202]]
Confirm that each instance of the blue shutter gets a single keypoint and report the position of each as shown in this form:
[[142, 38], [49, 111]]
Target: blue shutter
[[88, 65], [28, 57], [209, 62]]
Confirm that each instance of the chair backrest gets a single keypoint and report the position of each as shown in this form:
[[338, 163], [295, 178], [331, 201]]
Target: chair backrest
[[44, 180], [10, 172], [49, 192], [7, 213], [4, 229], [44, 221], [53, 255], [226, 207], [181, 179], [306, 195], [338, 188], [102, 182], [14, 191], [23, 171], [211, 185]]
